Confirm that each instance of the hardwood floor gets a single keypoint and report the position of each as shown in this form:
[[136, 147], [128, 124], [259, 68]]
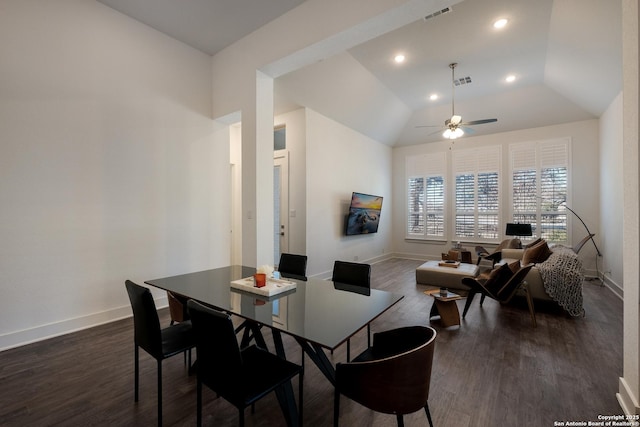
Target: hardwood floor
[[494, 370]]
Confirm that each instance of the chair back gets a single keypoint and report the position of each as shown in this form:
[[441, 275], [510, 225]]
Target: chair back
[[398, 379], [219, 358], [147, 330], [510, 288], [293, 266], [352, 273]]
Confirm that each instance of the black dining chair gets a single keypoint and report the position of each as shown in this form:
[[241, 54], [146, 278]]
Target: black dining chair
[[241, 377], [159, 343], [393, 376], [357, 275], [293, 266]]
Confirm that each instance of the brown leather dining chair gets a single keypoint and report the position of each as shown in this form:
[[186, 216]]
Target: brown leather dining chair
[[393, 376]]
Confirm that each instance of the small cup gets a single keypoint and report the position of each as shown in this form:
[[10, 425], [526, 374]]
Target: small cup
[[444, 292], [260, 280]]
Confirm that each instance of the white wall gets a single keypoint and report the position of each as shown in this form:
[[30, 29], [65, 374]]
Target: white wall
[[315, 30], [108, 170], [584, 182], [611, 194], [340, 161]]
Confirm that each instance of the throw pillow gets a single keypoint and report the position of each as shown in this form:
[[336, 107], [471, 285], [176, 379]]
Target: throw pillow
[[498, 277], [535, 242], [536, 254]]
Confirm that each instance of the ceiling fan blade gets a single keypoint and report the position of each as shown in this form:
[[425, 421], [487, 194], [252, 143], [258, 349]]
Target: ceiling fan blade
[[479, 122], [428, 126], [467, 130]]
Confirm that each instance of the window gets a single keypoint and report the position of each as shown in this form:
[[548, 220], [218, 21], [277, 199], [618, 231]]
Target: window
[[425, 196], [540, 182], [477, 193]]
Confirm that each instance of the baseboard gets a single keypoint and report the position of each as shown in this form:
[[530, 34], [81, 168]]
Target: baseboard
[[67, 326], [417, 257], [613, 286], [628, 402]]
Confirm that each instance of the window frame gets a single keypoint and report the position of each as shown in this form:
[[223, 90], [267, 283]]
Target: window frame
[[425, 167], [477, 162], [538, 156]]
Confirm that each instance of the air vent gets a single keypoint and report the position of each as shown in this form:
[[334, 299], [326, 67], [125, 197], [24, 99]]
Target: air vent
[[462, 81], [438, 13]]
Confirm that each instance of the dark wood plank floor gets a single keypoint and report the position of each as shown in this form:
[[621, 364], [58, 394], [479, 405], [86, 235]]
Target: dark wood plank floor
[[495, 370]]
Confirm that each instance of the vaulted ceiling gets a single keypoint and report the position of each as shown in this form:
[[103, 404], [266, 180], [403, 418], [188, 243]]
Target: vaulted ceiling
[[566, 56]]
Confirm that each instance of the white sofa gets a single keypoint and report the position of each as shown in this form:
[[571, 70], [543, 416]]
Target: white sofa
[[533, 278]]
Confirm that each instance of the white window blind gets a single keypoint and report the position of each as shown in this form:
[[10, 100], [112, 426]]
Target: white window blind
[[425, 195], [540, 183], [477, 193]]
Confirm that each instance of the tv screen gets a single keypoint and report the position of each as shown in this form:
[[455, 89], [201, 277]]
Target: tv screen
[[364, 214]]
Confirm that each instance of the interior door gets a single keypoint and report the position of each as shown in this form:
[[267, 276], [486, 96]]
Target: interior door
[[280, 203]]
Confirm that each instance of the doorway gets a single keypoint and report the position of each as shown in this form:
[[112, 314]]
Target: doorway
[[280, 203]]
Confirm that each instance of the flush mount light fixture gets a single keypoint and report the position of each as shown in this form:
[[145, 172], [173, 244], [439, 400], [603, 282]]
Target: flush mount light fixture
[[500, 23], [433, 97], [510, 78], [399, 58]]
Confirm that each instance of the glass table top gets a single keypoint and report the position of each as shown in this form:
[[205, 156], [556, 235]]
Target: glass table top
[[318, 311]]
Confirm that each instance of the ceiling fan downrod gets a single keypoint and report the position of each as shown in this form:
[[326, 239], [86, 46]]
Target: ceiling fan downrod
[[453, 66]]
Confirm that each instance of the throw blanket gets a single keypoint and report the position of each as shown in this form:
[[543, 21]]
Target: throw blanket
[[562, 276]]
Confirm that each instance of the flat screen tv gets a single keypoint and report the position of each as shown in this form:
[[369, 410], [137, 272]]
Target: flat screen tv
[[364, 214]]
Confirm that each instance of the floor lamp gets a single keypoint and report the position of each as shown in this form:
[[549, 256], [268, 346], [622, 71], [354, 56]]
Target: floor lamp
[[585, 227], [590, 234]]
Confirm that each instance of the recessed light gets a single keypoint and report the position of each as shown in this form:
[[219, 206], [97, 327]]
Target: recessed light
[[510, 78], [399, 58], [500, 23], [433, 97]]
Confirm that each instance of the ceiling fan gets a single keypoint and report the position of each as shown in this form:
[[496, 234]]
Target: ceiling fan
[[454, 126]]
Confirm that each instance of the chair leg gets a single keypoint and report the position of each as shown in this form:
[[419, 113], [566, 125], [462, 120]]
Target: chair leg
[[241, 416], [532, 310], [426, 409], [198, 403], [467, 304], [482, 299], [336, 407], [137, 373], [159, 393], [400, 419], [349, 350], [368, 335], [300, 394]]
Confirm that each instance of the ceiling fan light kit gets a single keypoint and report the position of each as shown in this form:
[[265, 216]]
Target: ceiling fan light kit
[[453, 126], [453, 133]]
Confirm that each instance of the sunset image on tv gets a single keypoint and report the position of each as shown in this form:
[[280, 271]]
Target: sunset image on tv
[[364, 214]]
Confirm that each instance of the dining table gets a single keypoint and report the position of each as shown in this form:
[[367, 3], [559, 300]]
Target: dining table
[[318, 313]]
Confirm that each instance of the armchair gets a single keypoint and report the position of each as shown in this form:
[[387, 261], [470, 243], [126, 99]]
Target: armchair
[[500, 287]]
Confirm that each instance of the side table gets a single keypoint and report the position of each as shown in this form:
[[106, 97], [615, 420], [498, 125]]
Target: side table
[[445, 307]]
